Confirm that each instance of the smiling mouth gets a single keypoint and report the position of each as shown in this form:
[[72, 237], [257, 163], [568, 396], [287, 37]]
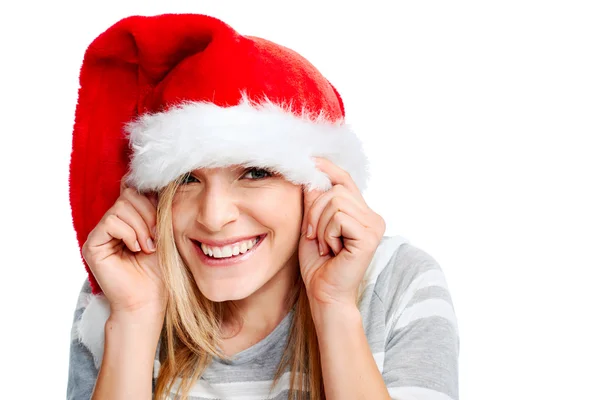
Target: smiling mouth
[[230, 251]]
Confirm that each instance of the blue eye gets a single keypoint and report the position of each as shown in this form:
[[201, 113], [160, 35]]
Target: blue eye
[[258, 173], [188, 178]]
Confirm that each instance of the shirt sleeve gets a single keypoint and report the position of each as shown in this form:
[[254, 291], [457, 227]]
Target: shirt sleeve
[[421, 332], [82, 371]]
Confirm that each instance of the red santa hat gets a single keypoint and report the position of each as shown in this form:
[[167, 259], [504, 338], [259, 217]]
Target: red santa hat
[[161, 96]]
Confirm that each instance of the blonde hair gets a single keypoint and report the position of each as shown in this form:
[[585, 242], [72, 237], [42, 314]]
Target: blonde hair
[[191, 333]]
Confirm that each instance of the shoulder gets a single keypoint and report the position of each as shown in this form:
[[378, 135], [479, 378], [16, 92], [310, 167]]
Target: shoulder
[[420, 334], [408, 282], [408, 270]]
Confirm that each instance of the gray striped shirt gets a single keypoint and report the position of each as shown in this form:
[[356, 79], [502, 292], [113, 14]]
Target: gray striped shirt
[[407, 315]]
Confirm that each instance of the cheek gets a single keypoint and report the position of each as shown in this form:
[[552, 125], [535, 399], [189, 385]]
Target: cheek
[[282, 211]]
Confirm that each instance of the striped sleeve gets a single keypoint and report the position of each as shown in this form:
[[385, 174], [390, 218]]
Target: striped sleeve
[[421, 332], [82, 372]]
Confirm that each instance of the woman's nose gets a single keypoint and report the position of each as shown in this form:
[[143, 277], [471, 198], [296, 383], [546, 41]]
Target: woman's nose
[[217, 209]]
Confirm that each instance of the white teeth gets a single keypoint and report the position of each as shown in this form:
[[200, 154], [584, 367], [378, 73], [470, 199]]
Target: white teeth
[[230, 250]]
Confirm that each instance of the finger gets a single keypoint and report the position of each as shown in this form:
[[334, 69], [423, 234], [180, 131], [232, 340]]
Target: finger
[[335, 205], [338, 176], [327, 242], [321, 202], [152, 196], [343, 232], [112, 227], [128, 213], [144, 206], [309, 198]]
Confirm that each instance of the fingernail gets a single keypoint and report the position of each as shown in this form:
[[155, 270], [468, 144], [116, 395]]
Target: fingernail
[[320, 249], [309, 231], [150, 244], [137, 246]]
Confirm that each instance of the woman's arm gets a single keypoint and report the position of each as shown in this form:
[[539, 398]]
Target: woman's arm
[[419, 334], [349, 369], [341, 236], [129, 350], [126, 367]]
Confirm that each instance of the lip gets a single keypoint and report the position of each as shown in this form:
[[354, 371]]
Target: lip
[[226, 262]]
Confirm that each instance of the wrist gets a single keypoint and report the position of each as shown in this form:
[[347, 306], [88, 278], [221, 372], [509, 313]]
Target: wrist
[[144, 316], [126, 326], [335, 317]]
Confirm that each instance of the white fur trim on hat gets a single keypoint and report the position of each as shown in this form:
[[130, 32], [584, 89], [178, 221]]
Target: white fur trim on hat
[[90, 329], [193, 135]]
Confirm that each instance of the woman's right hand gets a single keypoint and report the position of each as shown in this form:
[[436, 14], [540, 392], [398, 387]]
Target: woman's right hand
[[121, 253]]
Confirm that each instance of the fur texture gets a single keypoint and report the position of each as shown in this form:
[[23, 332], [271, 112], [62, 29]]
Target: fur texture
[[195, 135], [90, 329]]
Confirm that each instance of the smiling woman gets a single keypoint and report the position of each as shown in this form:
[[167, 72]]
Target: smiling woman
[[229, 249]]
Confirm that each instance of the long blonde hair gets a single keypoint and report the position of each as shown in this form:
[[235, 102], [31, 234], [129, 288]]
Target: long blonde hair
[[191, 333]]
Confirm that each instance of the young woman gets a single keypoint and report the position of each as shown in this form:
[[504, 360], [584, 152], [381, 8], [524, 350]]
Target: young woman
[[230, 252]]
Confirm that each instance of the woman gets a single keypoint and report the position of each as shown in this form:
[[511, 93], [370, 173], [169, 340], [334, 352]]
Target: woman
[[229, 249]]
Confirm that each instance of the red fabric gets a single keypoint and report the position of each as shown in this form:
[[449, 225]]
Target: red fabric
[[148, 64]]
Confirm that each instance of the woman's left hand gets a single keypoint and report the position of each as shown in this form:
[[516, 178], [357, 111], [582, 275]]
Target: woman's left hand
[[340, 234]]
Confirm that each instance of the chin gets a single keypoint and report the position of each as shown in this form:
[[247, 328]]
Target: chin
[[219, 293]]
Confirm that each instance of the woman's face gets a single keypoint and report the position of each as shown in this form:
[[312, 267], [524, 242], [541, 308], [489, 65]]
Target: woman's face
[[221, 212]]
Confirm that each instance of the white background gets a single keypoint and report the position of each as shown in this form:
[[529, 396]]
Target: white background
[[481, 120]]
